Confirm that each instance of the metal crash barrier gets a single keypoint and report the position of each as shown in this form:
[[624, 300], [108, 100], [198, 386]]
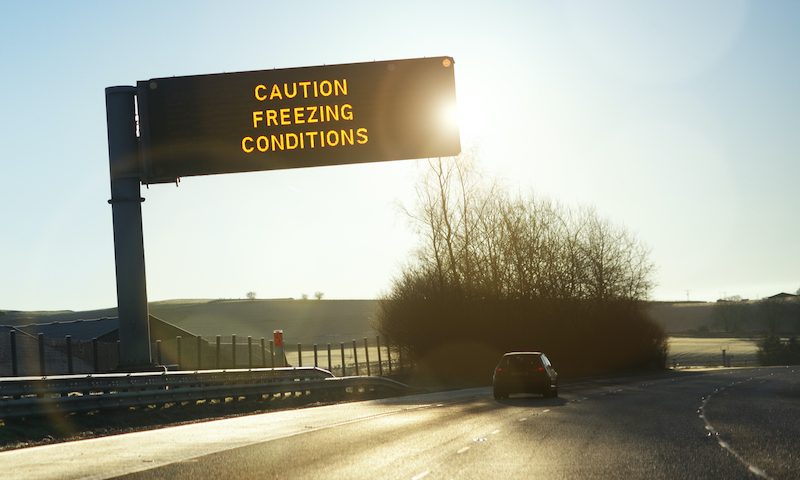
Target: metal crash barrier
[[64, 394]]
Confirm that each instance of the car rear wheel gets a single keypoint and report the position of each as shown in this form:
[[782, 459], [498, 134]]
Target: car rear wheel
[[551, 392], [499, 394]]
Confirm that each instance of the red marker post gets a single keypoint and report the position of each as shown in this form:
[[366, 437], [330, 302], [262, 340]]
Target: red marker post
[[280, 352]]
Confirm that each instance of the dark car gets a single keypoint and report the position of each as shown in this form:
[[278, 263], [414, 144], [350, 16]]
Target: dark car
[[525, 372]]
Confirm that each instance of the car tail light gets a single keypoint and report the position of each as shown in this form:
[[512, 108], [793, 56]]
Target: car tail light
[[498, 370], [540, 369]]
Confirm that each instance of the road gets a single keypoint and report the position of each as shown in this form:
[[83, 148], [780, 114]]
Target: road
[[725, 423]]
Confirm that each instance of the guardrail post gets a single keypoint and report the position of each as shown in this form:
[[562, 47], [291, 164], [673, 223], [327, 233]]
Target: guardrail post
[[355, 355], [366, 356], [42, 367], [344, 371], [219, 340], [180, 351], [380, 363], [233, 347], [70, 367], [329, 357], [158, 352], [95, 361], [263, 353], [299, 355], [389, 355], [199, 352], [12, 338], [316, 362], [250, 352], [272, 353]]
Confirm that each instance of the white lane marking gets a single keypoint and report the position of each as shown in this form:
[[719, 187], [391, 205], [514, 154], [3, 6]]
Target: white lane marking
[[545, 410], [523, 419], [758, 471], [712, 432], [462, 450], [495, 432], [421, 475]]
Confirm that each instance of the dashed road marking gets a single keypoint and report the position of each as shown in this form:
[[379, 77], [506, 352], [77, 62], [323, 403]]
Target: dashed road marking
[[462, 450], [421, 475]]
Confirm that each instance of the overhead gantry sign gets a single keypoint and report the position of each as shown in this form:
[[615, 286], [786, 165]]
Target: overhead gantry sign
[[297, 117]]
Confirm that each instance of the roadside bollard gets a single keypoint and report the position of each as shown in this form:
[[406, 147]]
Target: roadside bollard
[[329, 357], [316, 362], [158, 352]]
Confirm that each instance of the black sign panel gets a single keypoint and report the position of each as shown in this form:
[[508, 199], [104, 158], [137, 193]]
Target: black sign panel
[[297, 117]]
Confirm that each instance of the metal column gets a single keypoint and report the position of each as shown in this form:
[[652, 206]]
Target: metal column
[[126, 209]]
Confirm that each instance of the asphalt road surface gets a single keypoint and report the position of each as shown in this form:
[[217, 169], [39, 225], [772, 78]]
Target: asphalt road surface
[[726, 423]]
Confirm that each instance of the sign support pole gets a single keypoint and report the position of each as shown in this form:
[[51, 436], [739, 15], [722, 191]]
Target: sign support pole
[[126, 209]]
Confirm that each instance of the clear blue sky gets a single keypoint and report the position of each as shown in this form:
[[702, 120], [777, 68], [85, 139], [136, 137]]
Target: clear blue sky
[[678, 120]]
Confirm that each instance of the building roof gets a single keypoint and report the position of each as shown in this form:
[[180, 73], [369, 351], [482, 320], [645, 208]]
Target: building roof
[[782, 296], [82, 329]]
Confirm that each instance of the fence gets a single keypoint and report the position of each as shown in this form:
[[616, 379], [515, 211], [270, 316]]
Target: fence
[[22, 354]]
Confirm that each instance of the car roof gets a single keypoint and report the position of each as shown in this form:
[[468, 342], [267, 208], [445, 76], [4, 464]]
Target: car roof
[[521, 353]]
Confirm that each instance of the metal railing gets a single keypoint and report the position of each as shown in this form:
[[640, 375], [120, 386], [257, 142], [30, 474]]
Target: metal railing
[[64, 394]]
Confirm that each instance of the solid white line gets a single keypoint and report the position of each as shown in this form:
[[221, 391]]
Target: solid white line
[[725, 445], [462, 450]]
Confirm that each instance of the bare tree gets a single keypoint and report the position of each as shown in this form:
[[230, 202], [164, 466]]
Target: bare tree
[[479, 240], [318, 295], [251, 295]]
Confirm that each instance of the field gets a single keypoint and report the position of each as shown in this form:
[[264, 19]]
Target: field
[[693, 351]]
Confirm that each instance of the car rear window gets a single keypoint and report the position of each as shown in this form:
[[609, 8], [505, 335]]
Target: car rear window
[[522, 362]]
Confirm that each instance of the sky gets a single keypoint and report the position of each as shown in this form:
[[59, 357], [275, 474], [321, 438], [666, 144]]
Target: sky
[[677, 120]]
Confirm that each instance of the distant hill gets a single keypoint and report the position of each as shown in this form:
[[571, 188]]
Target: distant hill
[[309, 321], [681, 317], [303, 321]]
